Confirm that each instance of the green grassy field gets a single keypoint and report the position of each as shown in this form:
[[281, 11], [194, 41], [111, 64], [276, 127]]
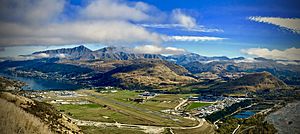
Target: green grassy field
[[159, 102], [164, 101], [109, 130], [118, 107], [197, 104], [93, 112]]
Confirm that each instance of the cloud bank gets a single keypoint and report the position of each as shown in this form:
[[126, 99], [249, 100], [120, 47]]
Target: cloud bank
[[192, 38], [76, 32], [116, 10], [292, 24], [179, 20], [42, 22], [198, 28], [153, 49], [287, 54]]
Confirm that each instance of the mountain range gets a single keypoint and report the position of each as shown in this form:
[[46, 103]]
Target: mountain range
[[194, 63], [112, 66], [123, 53], [107, 53]]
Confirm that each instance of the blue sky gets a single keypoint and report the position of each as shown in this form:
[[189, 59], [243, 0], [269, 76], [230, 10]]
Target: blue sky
[[231, 16], [250, 28]]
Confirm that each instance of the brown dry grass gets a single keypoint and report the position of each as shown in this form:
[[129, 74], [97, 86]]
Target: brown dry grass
[[14, 120], [154, 76]]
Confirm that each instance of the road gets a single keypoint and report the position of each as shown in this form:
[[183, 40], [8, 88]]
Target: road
[[236, 129], [247, 129], [144, 128], [180, 104]]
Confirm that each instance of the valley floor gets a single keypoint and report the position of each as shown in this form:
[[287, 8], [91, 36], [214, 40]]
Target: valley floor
[[134, 111], [118, 109]]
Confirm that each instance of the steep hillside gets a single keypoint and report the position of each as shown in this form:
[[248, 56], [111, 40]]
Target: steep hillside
[[41, 116], [11, 85], [15, 120], [252, 82]]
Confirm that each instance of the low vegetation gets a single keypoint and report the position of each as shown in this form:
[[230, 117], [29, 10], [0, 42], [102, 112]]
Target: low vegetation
[[206, 128], [56, 122], [251, 82], [14, 120], [93, 112], [109, 130], [253, 125], [120, 107], [146, 74], [157, 76], [7, 84]]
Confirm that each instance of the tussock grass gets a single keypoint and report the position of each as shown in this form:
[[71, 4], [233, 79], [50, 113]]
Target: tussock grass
[[14, 120]]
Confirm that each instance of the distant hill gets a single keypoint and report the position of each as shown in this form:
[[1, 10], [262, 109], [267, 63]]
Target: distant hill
[[192, 57], [289, 73], [145, 74], [251, 82]]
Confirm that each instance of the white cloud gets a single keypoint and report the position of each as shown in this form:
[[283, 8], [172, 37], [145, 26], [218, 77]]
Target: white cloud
[[246, 60], [183, 19], [292, 24], [155, 49], [288, 54], [288, 62], [41, 55], [198, 28], [192, 38], [114, 9], [38, 56], [76, 32], [34, 22], [179, 20], [61, 56], [30, 11]]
